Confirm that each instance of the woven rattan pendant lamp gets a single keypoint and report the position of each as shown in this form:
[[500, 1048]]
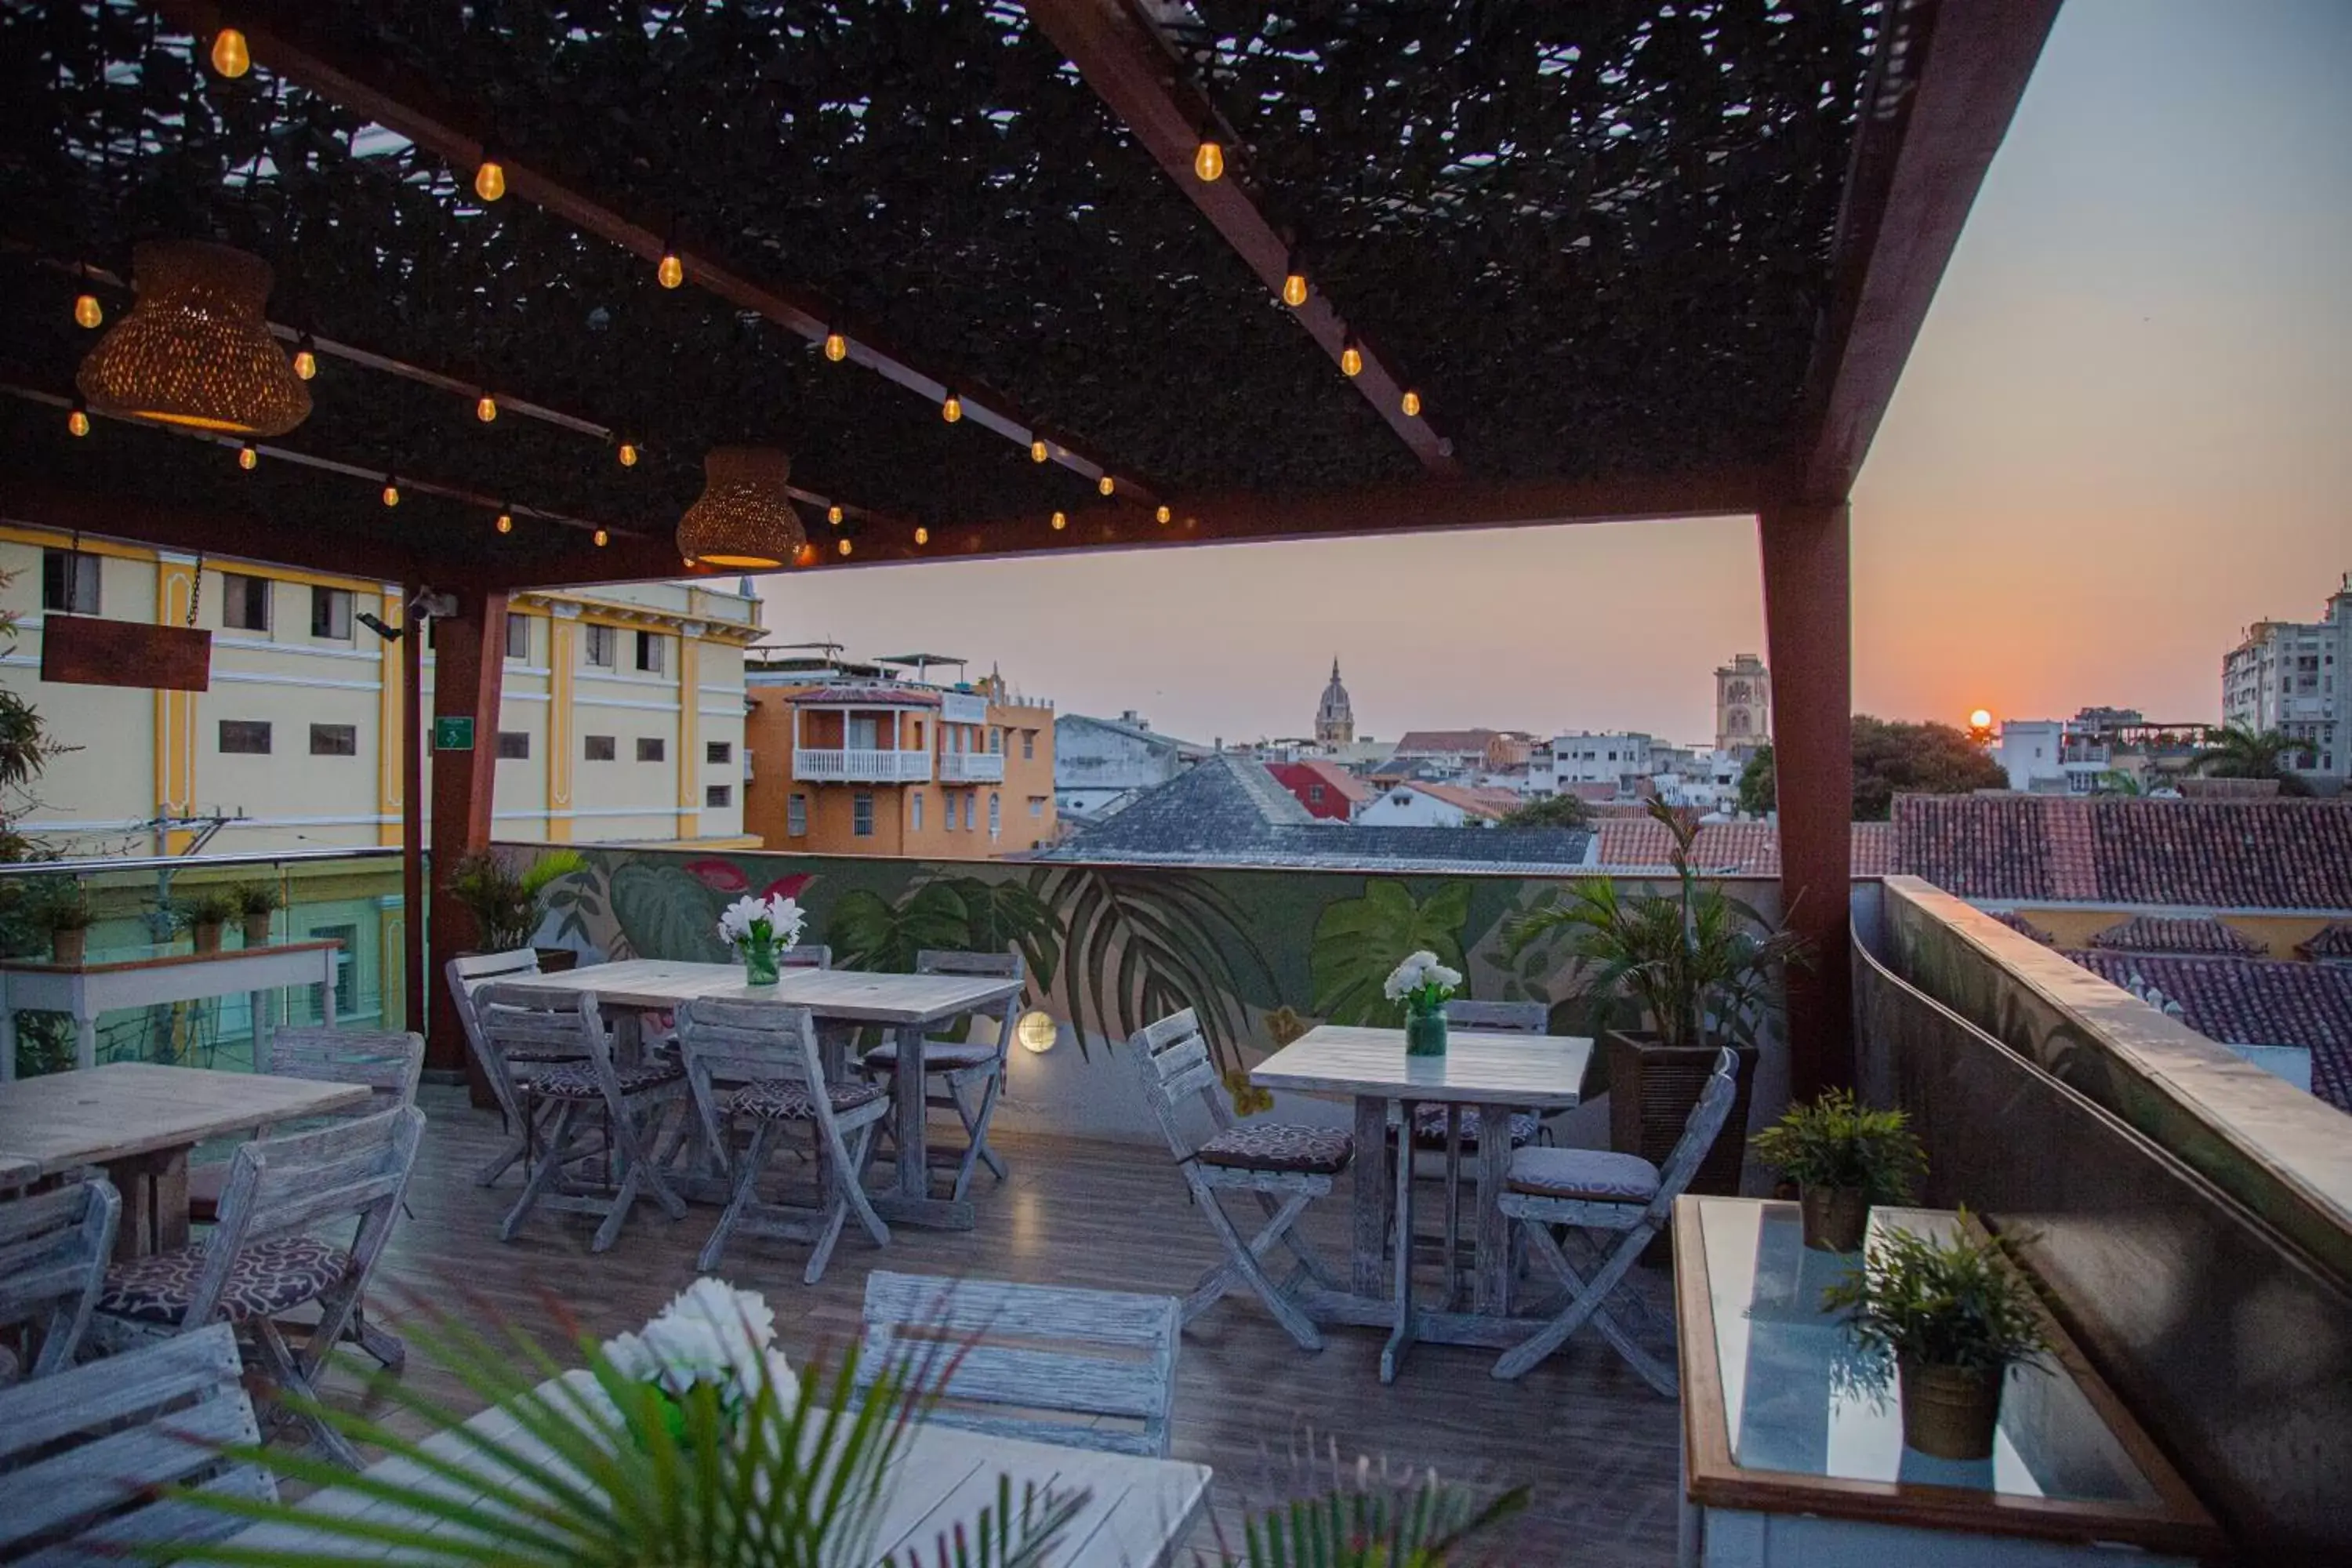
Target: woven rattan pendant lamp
[[743, 519], [195, 348]]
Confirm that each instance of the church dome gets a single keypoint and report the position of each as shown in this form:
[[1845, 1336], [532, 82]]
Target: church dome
[[1335, 717]]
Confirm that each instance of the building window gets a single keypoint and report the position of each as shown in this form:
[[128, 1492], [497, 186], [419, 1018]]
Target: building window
[[331, 614], [244, 602], [718, 753], [796, 816], [861, 814], [600, 749], [514, 745], [995, 817], [971, 803], [649, 652], [1315, 794], [599, 646], [995, 742], [69, 582], [245, 737], [717, 795], [915, 809], [518, 639], [1036, 805], [347, 1000], [649, 749], [334, 740], [1028, 745]]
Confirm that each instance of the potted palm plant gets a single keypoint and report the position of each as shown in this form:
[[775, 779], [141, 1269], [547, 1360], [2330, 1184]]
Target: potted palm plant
[[202, 916], [256, 902], [1700, 968], [1954, 1316], [506, 903], [66, 914], [1844, 1157]]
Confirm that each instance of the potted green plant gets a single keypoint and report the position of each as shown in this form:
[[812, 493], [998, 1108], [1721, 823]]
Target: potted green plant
[[202, 916], [64, 912], [256, 902], [505, 902], [1844, 1157], [1954, 1316], [1700, 968]]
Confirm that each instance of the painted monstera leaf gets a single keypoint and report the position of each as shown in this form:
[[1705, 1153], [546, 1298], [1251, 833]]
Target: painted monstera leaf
[[1139, 945], [1359, 942], [665, 911], [999, 915], [867, 932]]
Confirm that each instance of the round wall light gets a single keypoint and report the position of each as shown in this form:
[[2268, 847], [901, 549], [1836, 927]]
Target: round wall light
[[1038, 1031]]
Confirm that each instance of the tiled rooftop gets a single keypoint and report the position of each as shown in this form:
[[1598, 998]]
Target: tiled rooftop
[[1729, 848], [2216, 854], [2024, 927], [2155, 933], [2333, 944], [2253, 1002]]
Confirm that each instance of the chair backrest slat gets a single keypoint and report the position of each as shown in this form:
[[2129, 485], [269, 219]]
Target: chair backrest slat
[[1172, 1058], [807, 955], [279, 1186], [746, 1042], [386, 1062], [514, 1017], [1011, 1359], [1505, 1017], [466, 977], [1700, 1129], [1007, 966], [54, 1248], [153, 1417]]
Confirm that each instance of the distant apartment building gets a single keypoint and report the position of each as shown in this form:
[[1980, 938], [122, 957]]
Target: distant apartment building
[[2092, 751], [1437, 805], [1325, 789], [621, 717], [850, 766], [1462, 752], [2289, 676], [1620, 759], [1100, 763], [1743, 705]]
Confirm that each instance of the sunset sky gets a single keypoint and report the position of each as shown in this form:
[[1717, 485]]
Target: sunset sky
[[2123, 435]]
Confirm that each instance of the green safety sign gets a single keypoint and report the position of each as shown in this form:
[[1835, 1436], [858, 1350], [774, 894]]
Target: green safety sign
[[454, 734]]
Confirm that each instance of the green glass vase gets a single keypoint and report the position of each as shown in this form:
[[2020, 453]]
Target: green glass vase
[[1424, 1033], [760, 966]]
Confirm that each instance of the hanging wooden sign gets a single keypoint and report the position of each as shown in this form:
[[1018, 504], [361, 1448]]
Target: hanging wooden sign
[[90, 650]]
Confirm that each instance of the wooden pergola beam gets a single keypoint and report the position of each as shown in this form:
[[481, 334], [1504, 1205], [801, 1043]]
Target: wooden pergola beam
[[1946, 84], [1131, 67], [286, 39]]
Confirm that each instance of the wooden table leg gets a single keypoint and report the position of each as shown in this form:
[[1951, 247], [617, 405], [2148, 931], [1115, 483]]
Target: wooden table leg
[[154, 1191], [1402, 1337], [1370, 1276], [909, 1198], [1453, 1206], [1492, 1261]]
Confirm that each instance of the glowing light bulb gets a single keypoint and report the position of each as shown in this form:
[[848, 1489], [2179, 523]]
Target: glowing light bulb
[[248, 457], [1163, 514], [1352, 360], [1294, 288], [506, 523], [602, 539], [1106, 484], [1209, 162], [922, 535], [628, 454], [487, 410], [230, 55], [1036, 451], [87, 311], [491, 180], [837, 347], [306, 357], [833, 516], [844, 545], [672, 271], [953, 409], [1061, 521], [1411, 404], [78, 421], [391, 490]]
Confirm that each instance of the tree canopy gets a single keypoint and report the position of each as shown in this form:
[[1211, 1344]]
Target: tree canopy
[[1549, 811], [2238, 753], [1890, 758]]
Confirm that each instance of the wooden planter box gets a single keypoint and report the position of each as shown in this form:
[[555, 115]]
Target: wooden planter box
[[1652, 1088]]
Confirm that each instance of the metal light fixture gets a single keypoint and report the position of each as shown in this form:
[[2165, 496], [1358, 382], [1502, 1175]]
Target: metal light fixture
[[196, 348], [743, 518]]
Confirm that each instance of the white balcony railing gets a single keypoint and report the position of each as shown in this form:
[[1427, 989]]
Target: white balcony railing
[[972, 767], [858, 765]]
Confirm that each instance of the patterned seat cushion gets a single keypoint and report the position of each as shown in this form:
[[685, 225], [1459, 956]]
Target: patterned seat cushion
[[577, 1080], [534, 1055], [1429, 1126], [784, 1100], [1596, 1175], [1279, 1146], [267, 1278], [938, 1056]]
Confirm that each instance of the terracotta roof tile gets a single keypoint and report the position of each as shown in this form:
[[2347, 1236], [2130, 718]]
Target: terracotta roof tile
[[2253, 1002], [2024, 927], [2334, 941], [2215, 853], [2154, 933]]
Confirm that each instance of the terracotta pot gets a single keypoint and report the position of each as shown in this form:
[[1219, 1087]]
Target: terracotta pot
[[68, 947], [1835, 1218], [257, 929], [206, 936], [1950, 1412]]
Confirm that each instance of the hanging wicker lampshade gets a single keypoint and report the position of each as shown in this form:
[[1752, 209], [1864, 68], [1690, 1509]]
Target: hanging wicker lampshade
[[743, 518], [196, 348]]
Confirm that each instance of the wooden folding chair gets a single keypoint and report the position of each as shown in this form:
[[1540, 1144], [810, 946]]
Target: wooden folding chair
[[1086, 1369], [53, 1249], [1597, 1189], [516, 1020], [758, 1062], [958, 1068], [466, 976], [83, 1454], [1284, 1167], [262, 1259]]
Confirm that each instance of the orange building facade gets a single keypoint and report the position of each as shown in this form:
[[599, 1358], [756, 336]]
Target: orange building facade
[[852, 767]]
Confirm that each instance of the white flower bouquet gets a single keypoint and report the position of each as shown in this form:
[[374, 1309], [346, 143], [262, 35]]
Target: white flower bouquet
[[1421, 984], [712, 1336], [756, 923]]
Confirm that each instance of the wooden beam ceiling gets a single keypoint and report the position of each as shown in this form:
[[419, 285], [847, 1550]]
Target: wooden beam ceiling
[[1128, 63], [1947, 80], [284, 38]]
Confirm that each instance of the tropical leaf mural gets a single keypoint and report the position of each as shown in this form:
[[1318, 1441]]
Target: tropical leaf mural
[[665, 910], [1358, 941]]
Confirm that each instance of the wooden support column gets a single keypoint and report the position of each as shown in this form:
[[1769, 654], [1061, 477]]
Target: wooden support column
[[1809, 634], [467, 662], [406, 733]]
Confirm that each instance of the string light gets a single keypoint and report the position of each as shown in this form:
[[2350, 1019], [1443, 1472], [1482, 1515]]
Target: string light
[[1061, 521], [672, 271], [231, 57], [1209, 162], [844, 545], [487, 410], [1106, 484], [602, 539], [78, 420], [922, 535], [628, 453], [306, 357], [87, 311], [832, 515], [391, 490], [953, 409], [1351, 359], [1411, 404], [1293, 286], [837, 347], [491, 179], [1164, 514], [1037, 451], [506, 521], [249, 456]]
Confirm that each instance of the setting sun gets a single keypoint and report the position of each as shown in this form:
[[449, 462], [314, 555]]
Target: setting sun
[[1981, 718]]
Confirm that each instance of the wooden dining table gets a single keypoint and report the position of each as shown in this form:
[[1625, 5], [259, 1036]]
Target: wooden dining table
[[140, 1120], [1495, 1071], [906, 1005]]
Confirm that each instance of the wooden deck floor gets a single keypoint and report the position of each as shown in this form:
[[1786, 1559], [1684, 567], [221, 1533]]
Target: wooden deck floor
[[1594, 1443]]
